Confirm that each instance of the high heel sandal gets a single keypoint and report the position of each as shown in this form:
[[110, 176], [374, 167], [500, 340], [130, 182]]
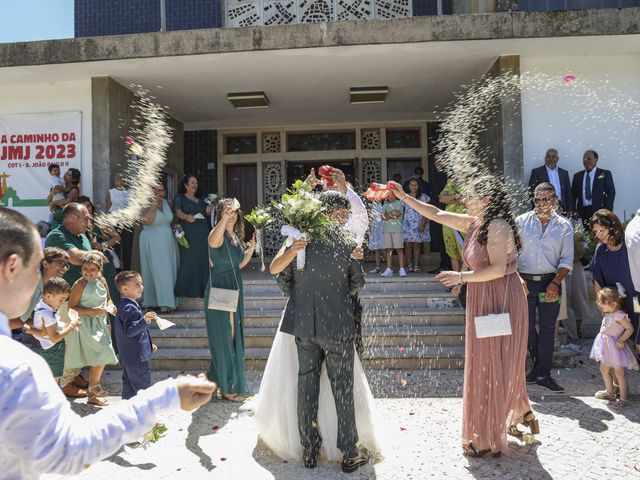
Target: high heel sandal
[[94, 397], [470, 450], [530, 421]]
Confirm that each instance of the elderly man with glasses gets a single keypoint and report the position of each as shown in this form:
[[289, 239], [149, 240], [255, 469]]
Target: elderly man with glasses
[[545, 259]]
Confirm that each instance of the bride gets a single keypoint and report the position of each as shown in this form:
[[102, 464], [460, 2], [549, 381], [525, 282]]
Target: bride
[[276, 407]]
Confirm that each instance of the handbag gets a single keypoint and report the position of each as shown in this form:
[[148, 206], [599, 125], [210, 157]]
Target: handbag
[[494, 324], [224, 299]]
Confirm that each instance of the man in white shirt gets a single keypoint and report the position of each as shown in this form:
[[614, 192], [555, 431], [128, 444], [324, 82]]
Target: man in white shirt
[[545, 259], [39, 433]]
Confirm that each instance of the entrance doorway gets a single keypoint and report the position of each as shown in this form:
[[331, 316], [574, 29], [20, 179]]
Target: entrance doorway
[[403, 166], [241, 184]]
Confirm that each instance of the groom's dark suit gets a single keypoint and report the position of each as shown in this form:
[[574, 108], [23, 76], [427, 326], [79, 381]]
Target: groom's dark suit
[[319, 313]]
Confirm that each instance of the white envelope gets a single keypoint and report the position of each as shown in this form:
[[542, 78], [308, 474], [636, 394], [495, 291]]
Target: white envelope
[[163, 323], [199, 216], [111, 308]]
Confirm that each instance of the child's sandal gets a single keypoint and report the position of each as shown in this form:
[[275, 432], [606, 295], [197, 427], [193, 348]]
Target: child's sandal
[[605, 395], [620, 403]]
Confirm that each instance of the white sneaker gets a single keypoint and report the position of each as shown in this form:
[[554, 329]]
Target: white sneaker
[[387, 273], [375, 270], [403, 272]]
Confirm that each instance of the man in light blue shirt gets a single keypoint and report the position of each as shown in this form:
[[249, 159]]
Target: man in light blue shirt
[[39, 433], [545, 259]]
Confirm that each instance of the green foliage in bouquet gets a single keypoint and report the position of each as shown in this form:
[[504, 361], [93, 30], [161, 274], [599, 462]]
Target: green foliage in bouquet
[[302, 209], [259, 217], [155, 433]]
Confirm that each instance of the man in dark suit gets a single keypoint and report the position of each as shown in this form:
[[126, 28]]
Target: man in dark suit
[[556, 176], [592, 188], [319, 313]]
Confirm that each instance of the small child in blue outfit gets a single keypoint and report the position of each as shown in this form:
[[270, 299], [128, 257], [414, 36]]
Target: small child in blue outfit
[[132, 335]]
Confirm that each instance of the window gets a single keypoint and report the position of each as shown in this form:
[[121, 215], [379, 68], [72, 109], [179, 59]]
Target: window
[[321, 141], [403, 138], [241, 144]]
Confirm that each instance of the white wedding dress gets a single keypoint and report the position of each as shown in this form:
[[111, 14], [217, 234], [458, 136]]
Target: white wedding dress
[[276, 411]]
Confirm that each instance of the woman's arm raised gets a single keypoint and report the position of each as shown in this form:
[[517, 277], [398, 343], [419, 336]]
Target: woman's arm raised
[[457, 221]]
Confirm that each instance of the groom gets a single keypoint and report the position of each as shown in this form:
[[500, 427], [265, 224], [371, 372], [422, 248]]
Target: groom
[[319, 313]]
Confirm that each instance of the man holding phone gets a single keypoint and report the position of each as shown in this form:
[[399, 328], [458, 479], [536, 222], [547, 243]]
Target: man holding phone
[[545, 259]]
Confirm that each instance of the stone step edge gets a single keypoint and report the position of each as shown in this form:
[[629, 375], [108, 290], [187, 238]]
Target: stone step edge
[[277, 312], [368, 330]]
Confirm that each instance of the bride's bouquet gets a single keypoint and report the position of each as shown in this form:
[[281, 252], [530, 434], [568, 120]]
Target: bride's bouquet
[[306, 217], [259, 218]]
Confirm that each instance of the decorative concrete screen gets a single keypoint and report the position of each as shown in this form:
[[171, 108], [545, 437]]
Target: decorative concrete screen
[[245, 13]]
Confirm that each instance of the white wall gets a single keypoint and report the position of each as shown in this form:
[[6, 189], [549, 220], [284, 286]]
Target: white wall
[[54, 97], [569, 118]]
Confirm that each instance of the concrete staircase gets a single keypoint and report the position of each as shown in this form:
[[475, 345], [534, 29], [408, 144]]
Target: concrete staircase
[[408, 323]]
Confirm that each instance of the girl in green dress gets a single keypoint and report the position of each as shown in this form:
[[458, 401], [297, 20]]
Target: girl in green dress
[[192, 212], [91, 345], [224, 329]]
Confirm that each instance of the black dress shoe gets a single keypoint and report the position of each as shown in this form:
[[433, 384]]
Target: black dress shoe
[[352, 461], [550, 384], [532, 377], [310, 459]]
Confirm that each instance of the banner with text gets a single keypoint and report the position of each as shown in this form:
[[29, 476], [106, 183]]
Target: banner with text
[[29, 144]]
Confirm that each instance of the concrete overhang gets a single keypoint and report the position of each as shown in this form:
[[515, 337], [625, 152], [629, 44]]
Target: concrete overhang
[[311, 85], [513, 25], [307, 70]]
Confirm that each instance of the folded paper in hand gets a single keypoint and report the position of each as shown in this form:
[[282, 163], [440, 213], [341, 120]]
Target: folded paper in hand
[[199, 216], [493, 325], [163, 324]]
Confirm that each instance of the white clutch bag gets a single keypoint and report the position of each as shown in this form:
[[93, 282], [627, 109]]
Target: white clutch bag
[[493, 325]]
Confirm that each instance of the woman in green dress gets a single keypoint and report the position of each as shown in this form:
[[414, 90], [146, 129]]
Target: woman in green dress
[[158, 254], [192, 212], [451, 196], [91, 345], [224, 329]]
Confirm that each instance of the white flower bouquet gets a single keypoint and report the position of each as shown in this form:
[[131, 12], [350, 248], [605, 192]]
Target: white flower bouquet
[[306, 216], [259, 218]]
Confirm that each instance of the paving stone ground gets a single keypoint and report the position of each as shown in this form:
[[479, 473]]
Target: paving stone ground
[[581, 437]]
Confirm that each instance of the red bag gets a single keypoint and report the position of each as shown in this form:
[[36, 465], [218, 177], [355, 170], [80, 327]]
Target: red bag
[[378, 192]]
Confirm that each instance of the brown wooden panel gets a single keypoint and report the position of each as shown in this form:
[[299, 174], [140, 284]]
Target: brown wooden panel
[[242, 184]]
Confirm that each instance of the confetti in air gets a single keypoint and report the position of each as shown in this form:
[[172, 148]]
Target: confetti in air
[[569, 79], [147, 144]]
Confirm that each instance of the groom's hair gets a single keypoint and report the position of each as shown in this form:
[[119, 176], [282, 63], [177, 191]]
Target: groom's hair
[[334, 200]]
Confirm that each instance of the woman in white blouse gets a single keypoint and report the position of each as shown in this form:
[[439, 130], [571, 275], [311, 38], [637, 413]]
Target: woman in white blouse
[[117, 199]]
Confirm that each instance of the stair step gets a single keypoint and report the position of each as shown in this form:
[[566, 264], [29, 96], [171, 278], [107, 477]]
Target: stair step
[[428, 316], [441, 358], [262, 337]]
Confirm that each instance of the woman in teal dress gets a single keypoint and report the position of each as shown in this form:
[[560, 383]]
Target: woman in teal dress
[[158, 254], [91, 345], [224, 329], [192, 212]]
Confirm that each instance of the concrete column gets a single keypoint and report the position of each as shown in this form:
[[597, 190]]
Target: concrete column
[[112, 120], [502, 141]]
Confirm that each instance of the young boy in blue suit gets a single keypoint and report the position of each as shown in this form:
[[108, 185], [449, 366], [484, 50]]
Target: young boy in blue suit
[[132, 335]]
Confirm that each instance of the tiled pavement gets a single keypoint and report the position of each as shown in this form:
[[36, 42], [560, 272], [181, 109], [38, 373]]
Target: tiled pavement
[[581, 437]]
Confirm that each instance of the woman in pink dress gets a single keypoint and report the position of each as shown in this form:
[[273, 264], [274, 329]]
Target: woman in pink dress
[[495, 397]]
